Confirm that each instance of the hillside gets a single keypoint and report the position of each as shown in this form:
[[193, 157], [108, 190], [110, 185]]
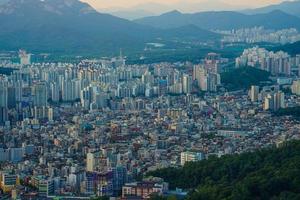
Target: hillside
[[265, 174], [189, 32], [64, 25], [225, 20], [243, 78], [292, 49], [289, 111], [290, 7], [68, 26]]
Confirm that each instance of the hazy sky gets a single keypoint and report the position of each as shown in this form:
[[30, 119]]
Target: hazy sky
[[130, 3]]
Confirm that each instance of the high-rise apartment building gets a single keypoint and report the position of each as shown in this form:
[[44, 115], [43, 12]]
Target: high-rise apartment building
[[40, 95], [254, 92]]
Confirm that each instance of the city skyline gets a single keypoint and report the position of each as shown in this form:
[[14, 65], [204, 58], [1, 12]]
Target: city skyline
[[149, 100]]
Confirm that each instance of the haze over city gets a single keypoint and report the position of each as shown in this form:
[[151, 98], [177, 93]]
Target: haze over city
[[149, 100]]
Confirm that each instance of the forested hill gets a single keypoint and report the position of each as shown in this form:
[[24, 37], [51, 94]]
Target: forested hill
[[292, 49], [243, 78], [266, 174]]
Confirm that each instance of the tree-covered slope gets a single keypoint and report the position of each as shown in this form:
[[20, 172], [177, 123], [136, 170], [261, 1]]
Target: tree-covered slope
[[71, 26], [289, 111], [65, 26], [292, 49], [265, 174], [243, 78]]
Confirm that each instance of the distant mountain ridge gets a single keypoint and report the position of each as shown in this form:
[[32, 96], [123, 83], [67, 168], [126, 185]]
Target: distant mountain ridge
[[58, 7], [71, 26], [190, 32], [61, 24], [290, 7], [131, 14], [222, 20], [152, 9]]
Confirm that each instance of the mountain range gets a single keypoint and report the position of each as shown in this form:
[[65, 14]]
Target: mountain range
[[290, 7], [70, 25], [58, 25], [225, 20], [138, 11], [154, 9]]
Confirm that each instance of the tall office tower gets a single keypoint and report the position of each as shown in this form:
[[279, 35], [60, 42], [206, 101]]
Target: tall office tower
[[60, 81], [3, 94], [285, 66], [296, 87], [85, 98], [3, 115], [90, 162], [162, 87], [76, 88], [212, 82], [186, 84], [269, 102], [254, 92], [212, 63], [279, 100], [148, 78], [203, 82], [50, 114], [200, 75], [196, 70], [69, 75], [18, 90], [174, 77], [25, 59], [67, 90], [40, 95], [3, 102], [274, 101], [298, 60], [206, 81], [54, 87], [11, 97]]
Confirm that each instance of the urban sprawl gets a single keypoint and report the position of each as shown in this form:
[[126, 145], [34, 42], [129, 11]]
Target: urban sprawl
[[93, 128]]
